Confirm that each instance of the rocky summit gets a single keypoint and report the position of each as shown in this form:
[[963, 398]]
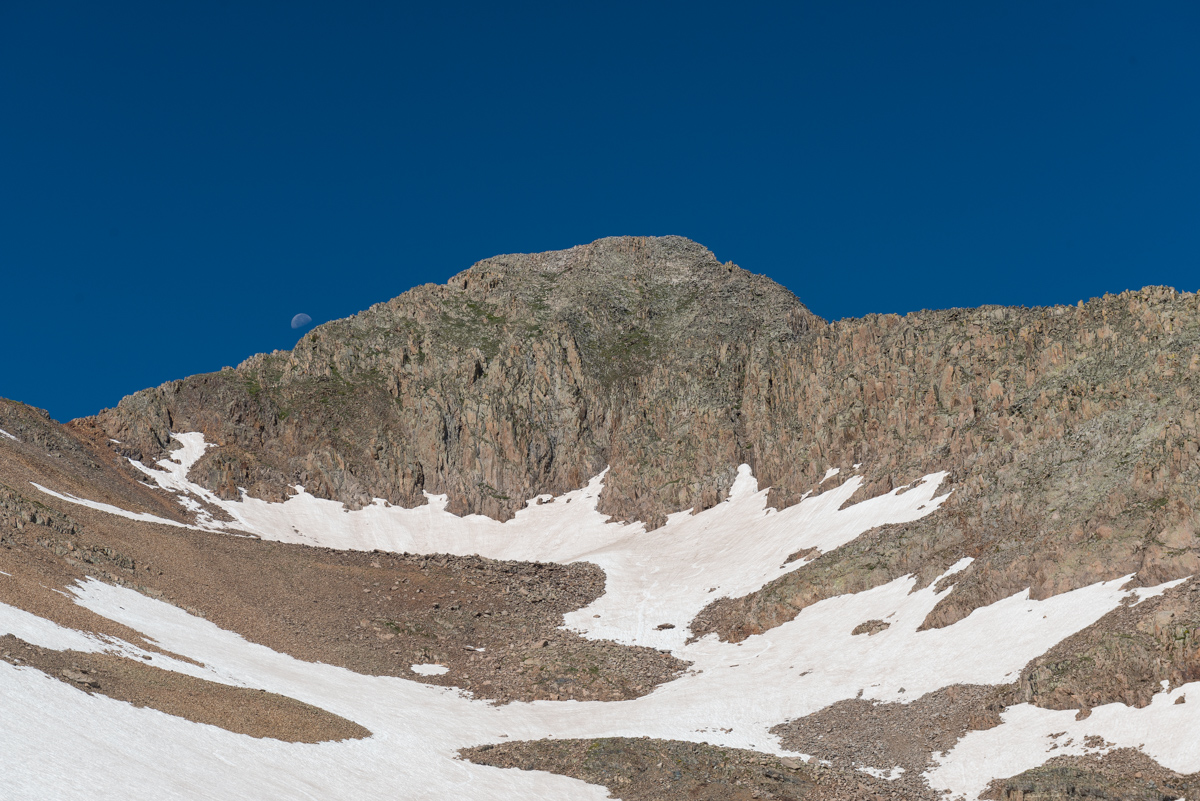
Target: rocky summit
[[523, 374], [622, 521]]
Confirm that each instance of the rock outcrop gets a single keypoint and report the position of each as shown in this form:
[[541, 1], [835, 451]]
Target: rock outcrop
[[524, 374], [1070, 433], [1070, 437]]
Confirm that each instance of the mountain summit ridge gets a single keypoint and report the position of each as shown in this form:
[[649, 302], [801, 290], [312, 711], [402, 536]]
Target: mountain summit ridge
[[1064, 442], [1072, 427], [526, 373]]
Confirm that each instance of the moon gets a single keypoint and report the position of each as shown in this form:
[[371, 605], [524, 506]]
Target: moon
[[301, 320]]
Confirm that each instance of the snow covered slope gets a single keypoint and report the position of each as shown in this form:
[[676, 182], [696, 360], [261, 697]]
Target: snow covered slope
[[656, 578], [733, 694]]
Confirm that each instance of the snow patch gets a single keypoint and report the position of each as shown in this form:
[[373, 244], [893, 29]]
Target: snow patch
[[121, 751], [665, 576], [1145, 593], [1166, 731], [430, 670], [732, 695], [44, 633], [10, 436], [891, 774], [144, 517]]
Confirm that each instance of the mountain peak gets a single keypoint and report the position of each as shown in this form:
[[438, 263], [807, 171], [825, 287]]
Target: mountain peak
[[669, 283]]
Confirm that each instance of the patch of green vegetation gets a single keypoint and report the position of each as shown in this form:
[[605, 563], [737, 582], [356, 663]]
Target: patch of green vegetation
[[492, 492], [477, 329], [625, 356], [480, 311]]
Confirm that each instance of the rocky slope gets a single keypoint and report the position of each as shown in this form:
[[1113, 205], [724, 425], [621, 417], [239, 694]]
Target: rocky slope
[[1070, 433], [524, 374], [1070, 436]]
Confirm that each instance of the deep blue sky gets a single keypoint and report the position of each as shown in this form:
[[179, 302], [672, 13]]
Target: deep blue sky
[[178, 180]]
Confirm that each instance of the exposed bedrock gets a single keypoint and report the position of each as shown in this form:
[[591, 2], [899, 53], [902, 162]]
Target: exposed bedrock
[[1070, 433], [1124, 773], [524, 374], [1124, 658]]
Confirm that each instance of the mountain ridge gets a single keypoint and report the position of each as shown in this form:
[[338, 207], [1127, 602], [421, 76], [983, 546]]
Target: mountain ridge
[[529, 366], [1066, 441], [503, 384]]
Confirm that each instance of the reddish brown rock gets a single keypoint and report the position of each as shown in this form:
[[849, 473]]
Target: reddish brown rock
[[1069, 433]]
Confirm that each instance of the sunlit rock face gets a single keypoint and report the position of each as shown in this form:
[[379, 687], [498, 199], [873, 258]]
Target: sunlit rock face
[[1074, 428], [969, 529], [524, 374]]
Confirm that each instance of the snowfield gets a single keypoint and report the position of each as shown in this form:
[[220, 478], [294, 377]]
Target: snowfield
[[733, 694]]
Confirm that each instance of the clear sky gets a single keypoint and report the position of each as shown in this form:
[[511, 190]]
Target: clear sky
[[178, 180]]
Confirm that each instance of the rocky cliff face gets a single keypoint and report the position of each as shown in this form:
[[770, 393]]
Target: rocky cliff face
[[524, 374], [1070, 437], [1070, 433]]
